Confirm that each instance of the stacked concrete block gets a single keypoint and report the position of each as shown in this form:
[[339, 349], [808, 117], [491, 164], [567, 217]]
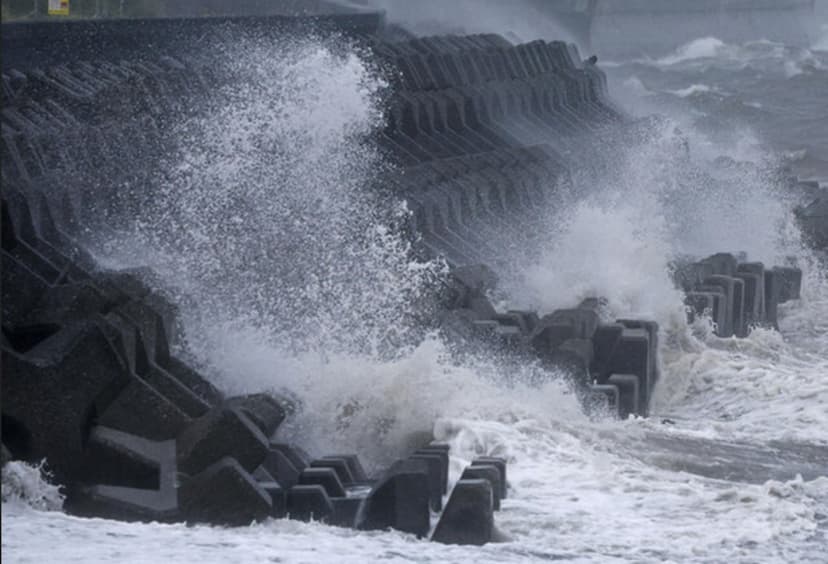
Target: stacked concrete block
[[736, 294]]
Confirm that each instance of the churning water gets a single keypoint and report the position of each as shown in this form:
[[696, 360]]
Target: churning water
[[270, 226]]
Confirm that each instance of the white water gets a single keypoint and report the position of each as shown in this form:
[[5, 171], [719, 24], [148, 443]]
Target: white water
[[763, 55], [587, 491]]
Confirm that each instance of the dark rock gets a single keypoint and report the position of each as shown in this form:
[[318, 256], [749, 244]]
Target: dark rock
[[469, 515], [224, 494]]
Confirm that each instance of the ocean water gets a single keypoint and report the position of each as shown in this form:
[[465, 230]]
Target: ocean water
[[269, 227], [769, 92]]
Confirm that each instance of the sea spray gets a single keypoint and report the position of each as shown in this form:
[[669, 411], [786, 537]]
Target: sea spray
[[29, 484], [272, 231]]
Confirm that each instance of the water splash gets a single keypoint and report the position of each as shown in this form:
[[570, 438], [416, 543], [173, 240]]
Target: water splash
[[274, 233], [29, 485]]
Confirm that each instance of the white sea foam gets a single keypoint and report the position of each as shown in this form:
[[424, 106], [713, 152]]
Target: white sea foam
[[702, 48], [691, 90], [29, 485], [766, 56]]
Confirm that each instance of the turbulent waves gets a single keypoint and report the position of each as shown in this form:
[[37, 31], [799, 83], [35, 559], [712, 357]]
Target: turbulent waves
[[269, 225]]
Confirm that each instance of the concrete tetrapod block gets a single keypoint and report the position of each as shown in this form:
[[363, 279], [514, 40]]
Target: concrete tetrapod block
[[724, 264], [22, 290], [791, 283], [488, 472], [698, 303], [774, 288], [813, 220], [688, 275], [584, 320], [756, 269], [651, 327], [753, 300], [631, 355], [354, 465], [310, 502], [604, 341], [131, 343], [122, 461], [139, 408], [628, 393], [221, 432], [442, 451], [435, 478], [262, 409], [116, 458], [278, 498], [602, 398], [469, 515], [720, 304], [574, 356], [325, 477], [54, 392], [500, 464], [67, 302], [224, 494], [346, 511], [338, 465], [733, 289], [400, 500]]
